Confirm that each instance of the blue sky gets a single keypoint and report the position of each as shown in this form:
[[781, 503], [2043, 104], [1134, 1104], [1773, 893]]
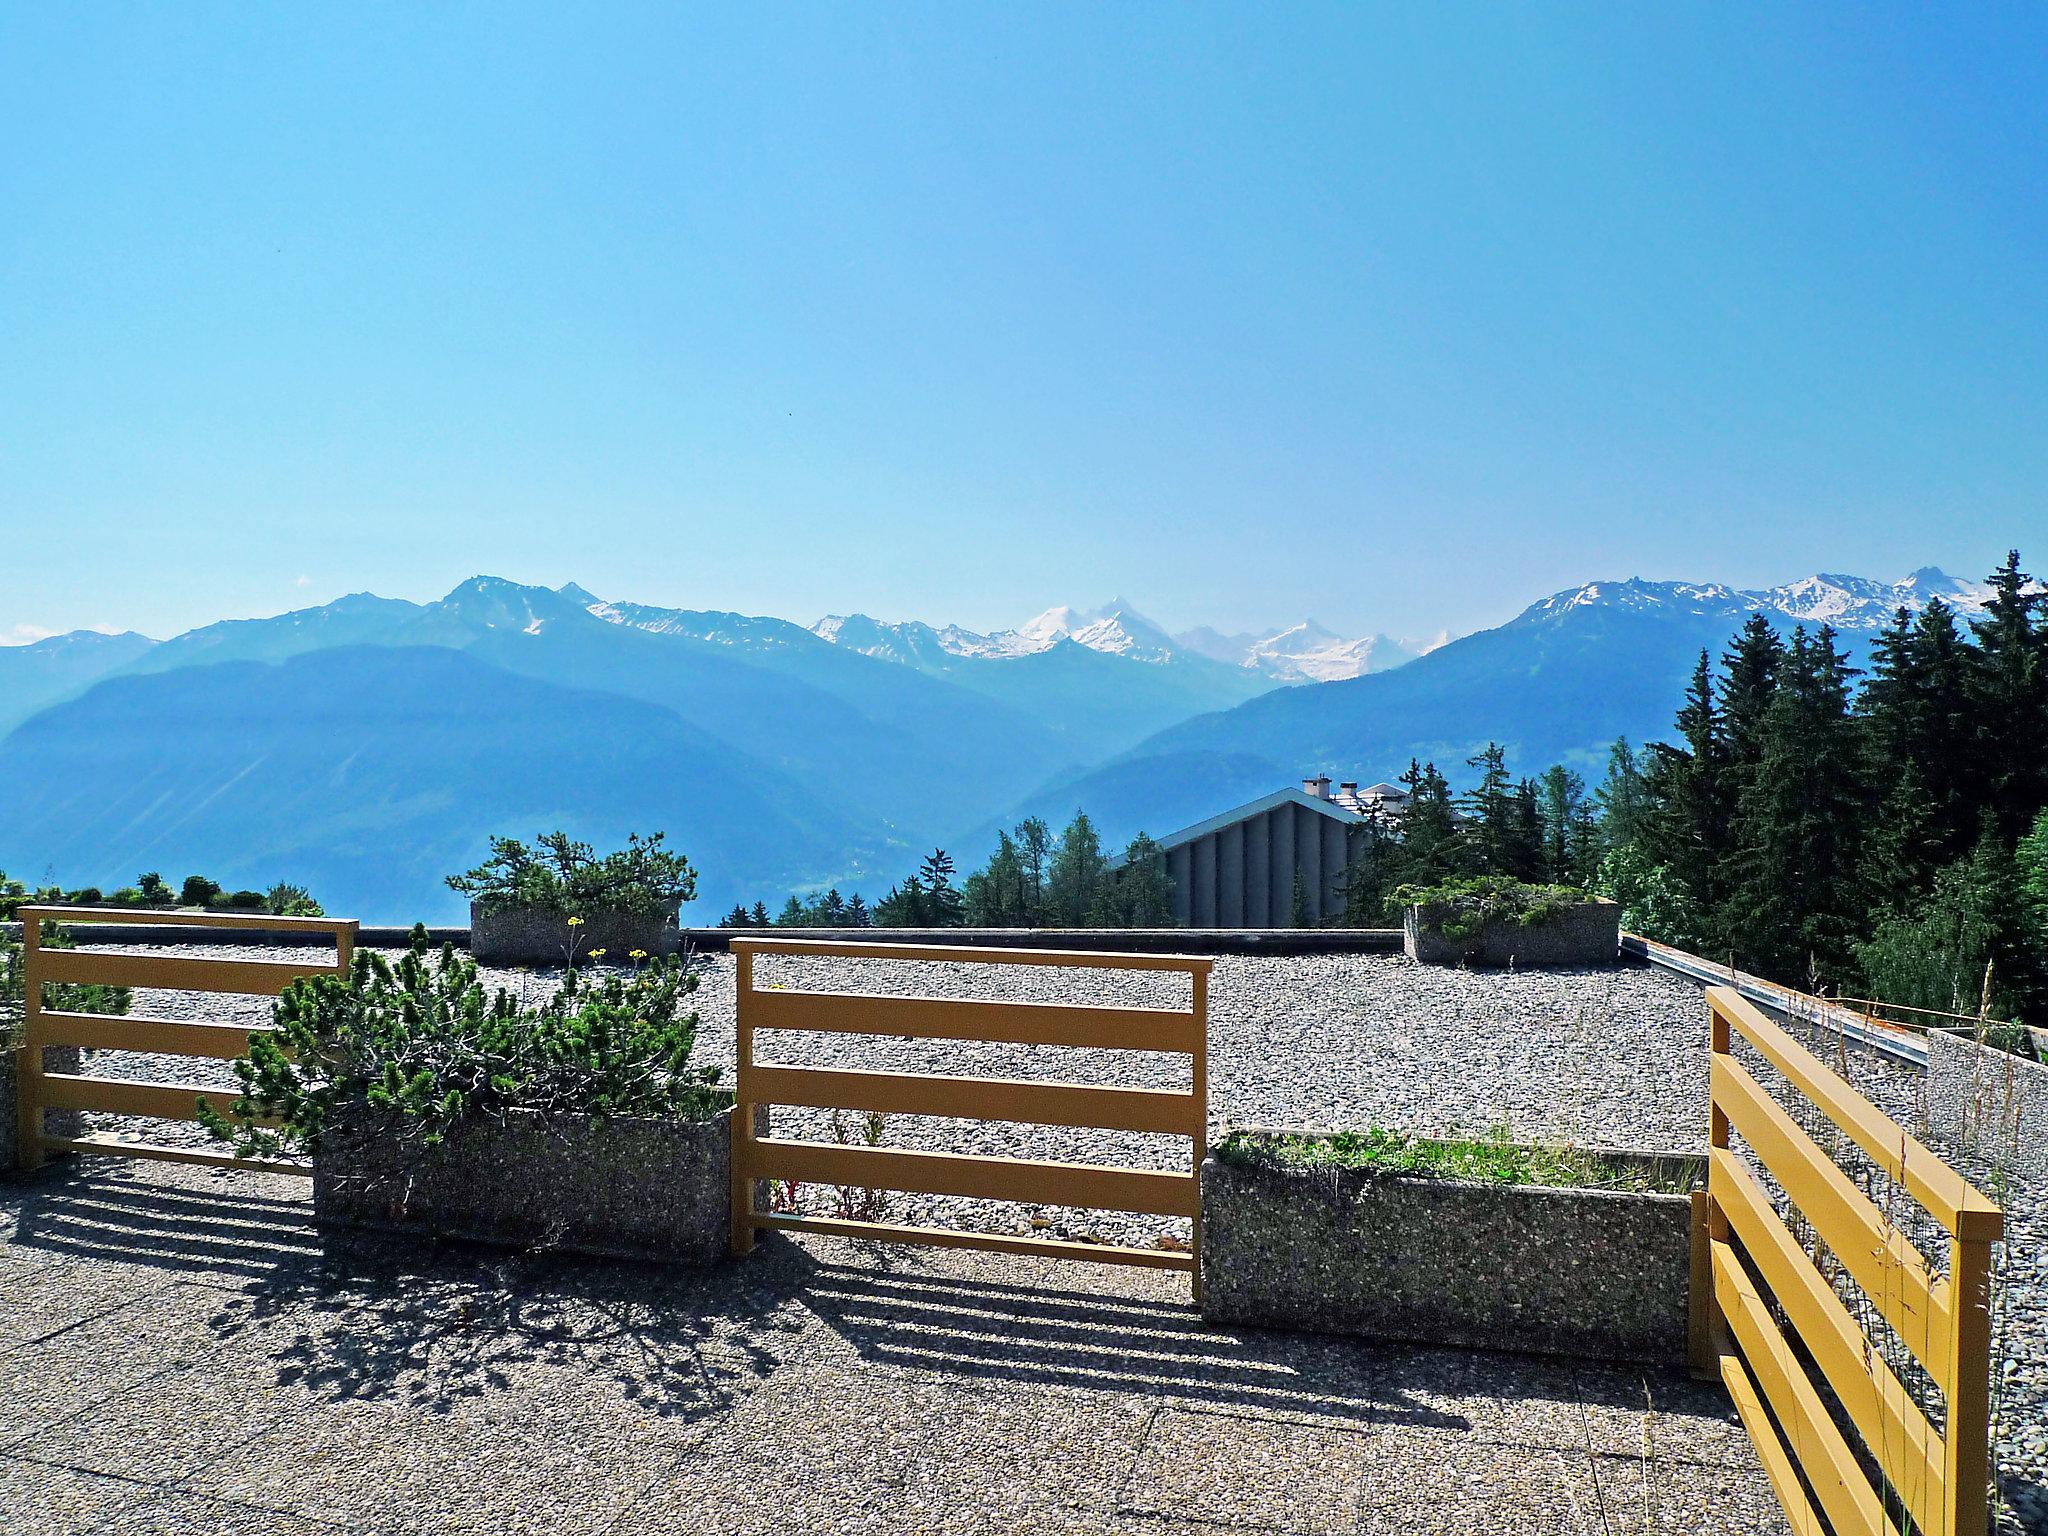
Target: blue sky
[[1400, 318]]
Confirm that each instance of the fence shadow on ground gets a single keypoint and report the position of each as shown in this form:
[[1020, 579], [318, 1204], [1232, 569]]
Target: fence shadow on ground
[[1046, 1329]]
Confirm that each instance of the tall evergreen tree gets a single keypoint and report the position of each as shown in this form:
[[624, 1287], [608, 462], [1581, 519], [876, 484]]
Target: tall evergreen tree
[[1140, 893], [1430, 850], [1687, 832], [1075, 874], [2010, 698], [1564, 813], [944, 906], [1623, 797], [1034, 859], [1791, 908]]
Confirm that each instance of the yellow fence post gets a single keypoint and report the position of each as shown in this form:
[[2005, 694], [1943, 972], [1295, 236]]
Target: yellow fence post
[[1967, 1469], [742, 1110], [28, 1106], [1200, 1001]]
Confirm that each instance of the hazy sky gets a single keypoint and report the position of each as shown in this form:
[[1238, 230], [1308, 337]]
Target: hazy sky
[[1397, 318]]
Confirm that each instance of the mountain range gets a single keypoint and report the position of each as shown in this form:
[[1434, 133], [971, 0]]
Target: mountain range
[[369, 746]]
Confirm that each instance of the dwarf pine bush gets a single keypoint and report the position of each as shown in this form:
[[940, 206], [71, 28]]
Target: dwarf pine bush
[[421, 1043]]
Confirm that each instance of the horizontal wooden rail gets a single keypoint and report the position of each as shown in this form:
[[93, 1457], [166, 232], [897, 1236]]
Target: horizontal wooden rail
[[973, 1176], [138, 1032], [1876, 1401], [942, 1237], [158, 917], [133, 1096], [1880, 1258], [1073, 959], [1018, 1100], [1785, 1338], [1166, 1111], [1946, 1194], [1852, 1505], [176, 973], [954, 1018], [39, 1090]]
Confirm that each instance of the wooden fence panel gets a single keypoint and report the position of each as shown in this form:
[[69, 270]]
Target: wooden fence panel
[[1769, 1308], [1172, 1112], [40, 1089]]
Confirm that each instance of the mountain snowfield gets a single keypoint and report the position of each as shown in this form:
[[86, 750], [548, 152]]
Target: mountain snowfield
[[368, 746], [1300, 653]]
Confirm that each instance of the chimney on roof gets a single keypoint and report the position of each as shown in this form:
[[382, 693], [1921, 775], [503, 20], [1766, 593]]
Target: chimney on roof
[[1319, 786], [1348, 787]]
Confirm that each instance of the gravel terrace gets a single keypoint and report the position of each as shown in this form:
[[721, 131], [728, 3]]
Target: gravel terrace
[[1612, 1057]]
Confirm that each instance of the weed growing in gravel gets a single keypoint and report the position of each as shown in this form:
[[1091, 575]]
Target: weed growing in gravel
[[1493, 1159]]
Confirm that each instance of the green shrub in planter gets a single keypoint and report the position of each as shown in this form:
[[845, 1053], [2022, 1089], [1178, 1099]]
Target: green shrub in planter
[[1493, 920], [422, 1045], [560, 902]]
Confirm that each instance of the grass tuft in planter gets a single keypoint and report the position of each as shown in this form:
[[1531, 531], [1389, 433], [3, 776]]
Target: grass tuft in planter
[[429, 1103]]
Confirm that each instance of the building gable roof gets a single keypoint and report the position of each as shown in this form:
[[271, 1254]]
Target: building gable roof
[[1258, 807]]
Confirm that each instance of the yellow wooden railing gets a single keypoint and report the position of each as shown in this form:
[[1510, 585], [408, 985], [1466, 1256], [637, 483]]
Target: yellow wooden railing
[[1774, 1325], [43, 1028], [1173, 1112]]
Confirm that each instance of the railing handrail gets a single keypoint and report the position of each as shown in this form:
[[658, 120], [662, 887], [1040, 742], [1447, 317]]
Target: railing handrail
[[162, 917], [1950, 1198], [1076, 959]]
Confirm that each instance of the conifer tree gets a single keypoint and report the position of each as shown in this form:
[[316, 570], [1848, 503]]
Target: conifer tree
[[1139, 894], [1623, 797], [758, 918], [1565, 818], [1791, 907], [2010, 698], [944, 907], [1430, 850], [1075, 873], [1493, 832]]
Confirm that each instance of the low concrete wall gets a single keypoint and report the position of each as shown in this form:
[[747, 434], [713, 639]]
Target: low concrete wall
[[1580, 1272], [1988, 1102], [1583, 935], [640, 1189], [519, 937], [56, 1122]]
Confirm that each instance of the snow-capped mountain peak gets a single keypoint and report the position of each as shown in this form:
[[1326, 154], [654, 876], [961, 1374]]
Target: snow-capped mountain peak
[[1845, 602]]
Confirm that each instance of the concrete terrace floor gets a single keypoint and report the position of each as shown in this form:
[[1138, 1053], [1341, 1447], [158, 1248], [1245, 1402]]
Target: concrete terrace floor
[[183, 1351]]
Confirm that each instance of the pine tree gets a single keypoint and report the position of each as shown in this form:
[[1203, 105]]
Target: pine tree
[[1623, 796], [1075, 873], [793, 915], [758, 918], [1371, 872], [736, 918], [1686, 833], [2009, 689], [1430, 848], [995, 892], [944, 907], [1792, 907], [857, 913], [1493, 832], [1034, 859], [1140, 892], [1564, 817]]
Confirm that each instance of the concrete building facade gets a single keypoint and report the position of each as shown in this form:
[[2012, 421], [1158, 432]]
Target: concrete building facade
[[1237, 870]]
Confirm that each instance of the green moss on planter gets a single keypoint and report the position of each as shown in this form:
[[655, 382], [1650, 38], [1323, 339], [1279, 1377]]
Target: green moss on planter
[[1493, 1159]]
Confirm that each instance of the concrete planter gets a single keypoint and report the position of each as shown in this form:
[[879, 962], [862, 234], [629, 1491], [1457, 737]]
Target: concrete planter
[[1583, 935], [519, 936], [1581, 1272], [1988, 1102], [639, 1189], [56, 1122]]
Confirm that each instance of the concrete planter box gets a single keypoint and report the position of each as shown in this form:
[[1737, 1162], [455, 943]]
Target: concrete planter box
[[1988, 1102], [1581, 1272], [519, 936], [56, 1122], [1587, 934], [638, 1189]]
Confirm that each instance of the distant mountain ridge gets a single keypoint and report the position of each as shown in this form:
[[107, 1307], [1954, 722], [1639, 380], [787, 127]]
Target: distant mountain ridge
[[1556, 684], [366, 743]]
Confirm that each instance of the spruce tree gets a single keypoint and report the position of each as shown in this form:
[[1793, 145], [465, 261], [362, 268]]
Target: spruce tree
[[1791, 908], [2009, 688], [1686, 833], [1034, 860], [944, 907], [1493, 832], [1140, 892], [1430, 850], [1075, 873], [1623, 797]]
